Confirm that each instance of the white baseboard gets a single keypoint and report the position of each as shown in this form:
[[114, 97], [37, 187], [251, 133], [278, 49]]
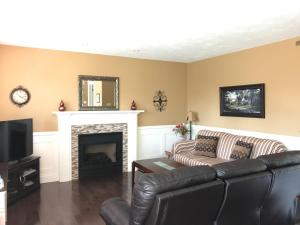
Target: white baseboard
[[291, 142]]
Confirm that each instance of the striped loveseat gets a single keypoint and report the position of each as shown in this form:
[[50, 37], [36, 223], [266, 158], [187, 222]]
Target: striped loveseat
[[182, 151]]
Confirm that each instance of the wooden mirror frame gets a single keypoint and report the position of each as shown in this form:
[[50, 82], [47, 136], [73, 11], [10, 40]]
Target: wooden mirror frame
[[98, 78]]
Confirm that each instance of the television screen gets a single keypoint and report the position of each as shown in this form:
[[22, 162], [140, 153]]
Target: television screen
[[16, 139]]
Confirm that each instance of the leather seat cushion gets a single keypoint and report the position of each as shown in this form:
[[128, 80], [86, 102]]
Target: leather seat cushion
[[149, 185], [115, 211]]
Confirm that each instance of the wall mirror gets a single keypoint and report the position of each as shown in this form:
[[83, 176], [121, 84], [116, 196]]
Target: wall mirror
[[98, 93]]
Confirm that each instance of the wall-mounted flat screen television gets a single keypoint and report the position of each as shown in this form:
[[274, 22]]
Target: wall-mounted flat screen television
[[16, 139]]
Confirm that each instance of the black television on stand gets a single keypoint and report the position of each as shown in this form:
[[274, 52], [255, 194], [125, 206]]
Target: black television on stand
[[16, 140]]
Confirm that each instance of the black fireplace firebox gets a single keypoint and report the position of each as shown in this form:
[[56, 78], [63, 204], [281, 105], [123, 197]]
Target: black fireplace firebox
[[100, 154]]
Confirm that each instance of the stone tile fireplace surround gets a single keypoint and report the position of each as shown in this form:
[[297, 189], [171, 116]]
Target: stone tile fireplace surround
[[96, 129], [73, 123]]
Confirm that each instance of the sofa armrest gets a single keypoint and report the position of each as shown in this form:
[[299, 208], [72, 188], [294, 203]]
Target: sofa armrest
[[297, 219], [115, 211], [184, 146]]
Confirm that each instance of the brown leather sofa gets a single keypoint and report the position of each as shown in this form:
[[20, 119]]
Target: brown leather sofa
[[280, 206], [262, 191]]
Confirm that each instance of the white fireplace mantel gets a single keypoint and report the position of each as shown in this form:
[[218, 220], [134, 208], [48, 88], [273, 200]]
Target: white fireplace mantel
[[68, 118]]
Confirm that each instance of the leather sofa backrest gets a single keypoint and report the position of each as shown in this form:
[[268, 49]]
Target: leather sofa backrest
[[193, 205], [150, 185], [246, 185], [282, 159], [297, 218], [281, 203]]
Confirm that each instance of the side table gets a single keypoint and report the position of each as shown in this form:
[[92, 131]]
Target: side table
[[169, 154]]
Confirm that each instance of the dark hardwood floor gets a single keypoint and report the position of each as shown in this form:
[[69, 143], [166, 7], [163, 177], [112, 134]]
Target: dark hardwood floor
[[69, 203]]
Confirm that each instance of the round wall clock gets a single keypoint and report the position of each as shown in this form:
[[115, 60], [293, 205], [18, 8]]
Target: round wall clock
[[20, 96]]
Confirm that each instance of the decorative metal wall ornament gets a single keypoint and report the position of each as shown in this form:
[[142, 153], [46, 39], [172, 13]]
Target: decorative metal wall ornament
[[160, 101]]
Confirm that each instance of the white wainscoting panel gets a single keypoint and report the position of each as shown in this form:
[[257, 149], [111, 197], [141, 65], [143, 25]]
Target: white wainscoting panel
[[291, 142], [3, 207], [45, 145], [153, 141]]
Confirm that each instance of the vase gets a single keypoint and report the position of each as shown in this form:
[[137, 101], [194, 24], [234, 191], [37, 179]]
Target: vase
[[133, 106], [182, 137], [61, 107]]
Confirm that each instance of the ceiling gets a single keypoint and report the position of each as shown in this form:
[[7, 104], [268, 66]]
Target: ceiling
[[181, 31]]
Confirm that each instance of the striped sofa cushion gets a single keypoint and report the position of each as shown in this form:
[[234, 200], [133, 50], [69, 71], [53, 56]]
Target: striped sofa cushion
[[189, 159], [226, 144], [209, 133], [264, 146], [183, 146]]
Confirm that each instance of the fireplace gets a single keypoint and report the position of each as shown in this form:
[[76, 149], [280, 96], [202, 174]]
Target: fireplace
[[100, 154], [71, 124]]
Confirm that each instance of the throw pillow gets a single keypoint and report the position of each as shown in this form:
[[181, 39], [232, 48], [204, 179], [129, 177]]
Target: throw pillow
[[241, 150], [206, 146]]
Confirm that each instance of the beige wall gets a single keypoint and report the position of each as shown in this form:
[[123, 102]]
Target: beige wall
[[277, 65], [52, 75]]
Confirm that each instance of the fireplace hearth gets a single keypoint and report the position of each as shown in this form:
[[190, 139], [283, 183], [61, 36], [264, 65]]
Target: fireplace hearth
[[100, 154]]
